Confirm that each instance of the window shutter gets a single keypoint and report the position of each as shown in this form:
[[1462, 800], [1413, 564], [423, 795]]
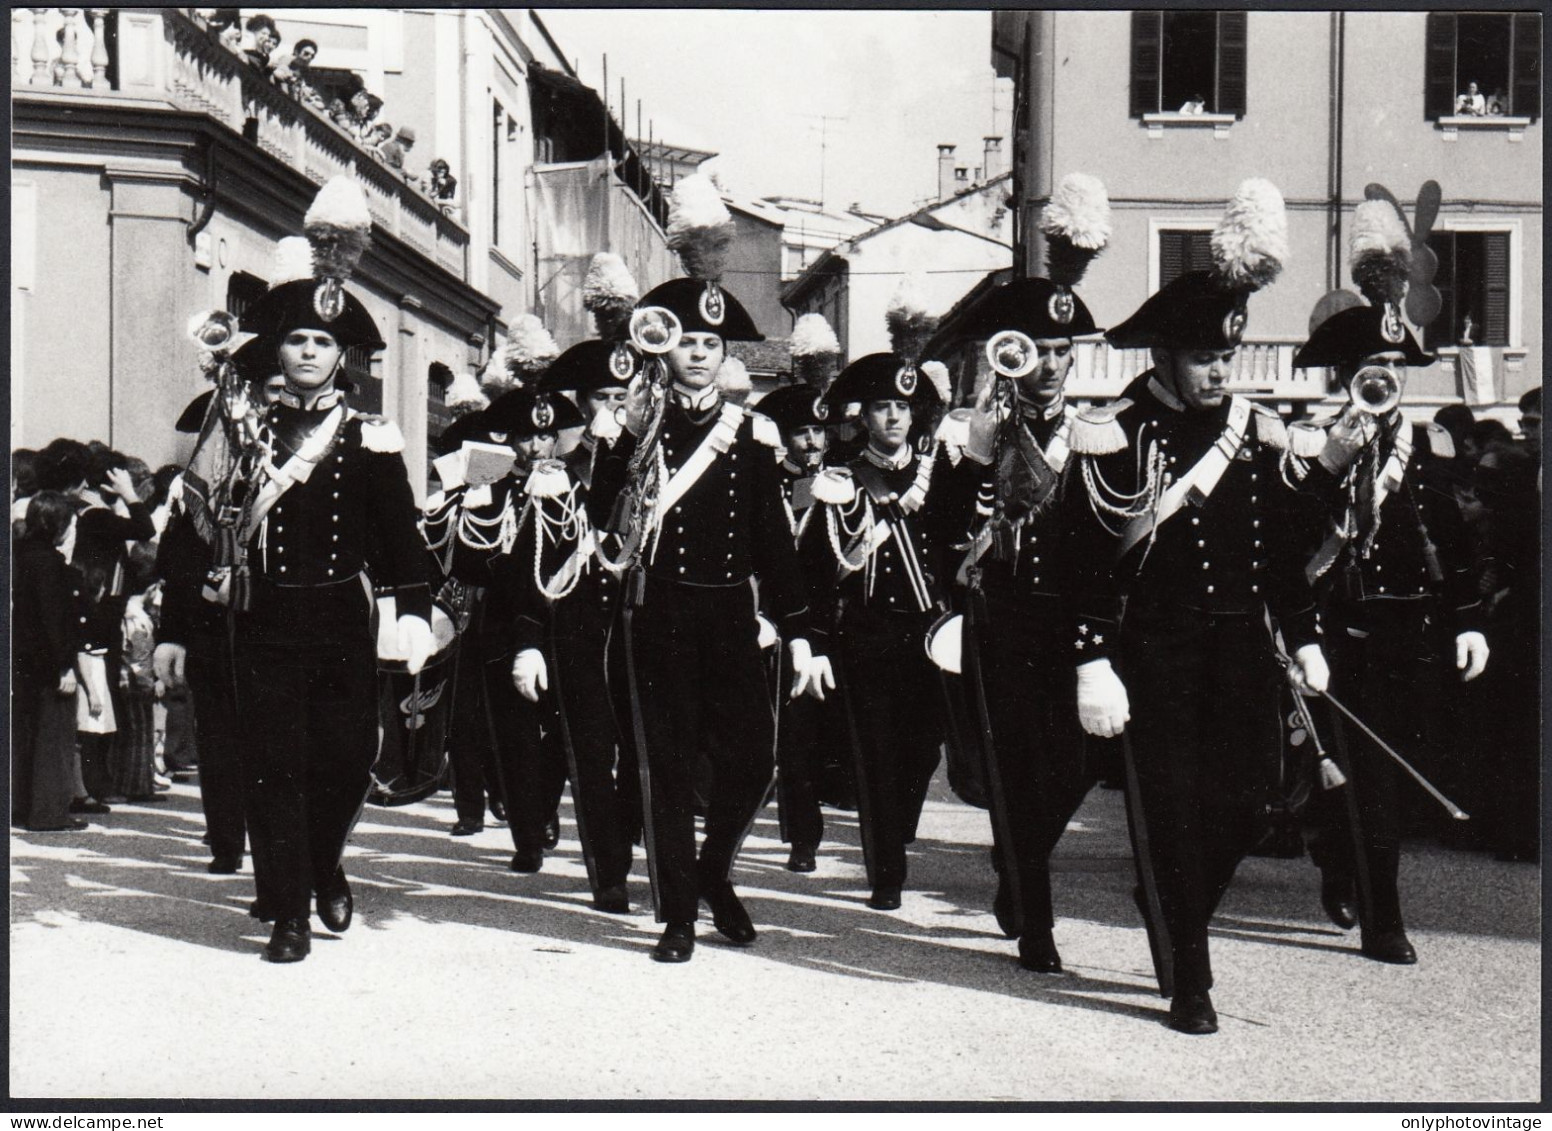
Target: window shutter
[[1495, 289], [1525, 93], [1231, 64], [1198, 255], [1439, 83], [1147, 32], [1443, 330], [1172, 256]]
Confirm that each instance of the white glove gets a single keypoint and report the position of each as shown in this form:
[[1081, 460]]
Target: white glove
[[1309, 673], [638, 404], [810, 673], [1103, 708], [167, 663], [984, 418], [415, 642], [1345, 439], [530, 674], [1470, 654]]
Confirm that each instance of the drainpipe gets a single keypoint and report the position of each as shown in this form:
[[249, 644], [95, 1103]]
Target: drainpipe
[[1334, 178]]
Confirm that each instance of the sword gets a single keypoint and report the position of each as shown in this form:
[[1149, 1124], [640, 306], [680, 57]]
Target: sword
[[859, 763], [635, 586], [1159, 945], [1454, 810]]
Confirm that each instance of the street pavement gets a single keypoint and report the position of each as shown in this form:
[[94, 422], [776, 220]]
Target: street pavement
[[135, 974]]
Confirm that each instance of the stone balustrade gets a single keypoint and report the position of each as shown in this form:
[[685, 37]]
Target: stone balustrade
[[1262, 368]]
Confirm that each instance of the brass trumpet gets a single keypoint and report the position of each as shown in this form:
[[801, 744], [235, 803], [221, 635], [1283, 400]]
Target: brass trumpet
[[214, 330], [1375, 390]]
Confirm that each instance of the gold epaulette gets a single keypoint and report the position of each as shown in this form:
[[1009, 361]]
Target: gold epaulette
[[835, 485], [1096, 431], [379, 434], [765, 430], [1270, 429]]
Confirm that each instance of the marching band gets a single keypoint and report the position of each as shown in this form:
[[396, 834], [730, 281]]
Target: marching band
[[685, 607]]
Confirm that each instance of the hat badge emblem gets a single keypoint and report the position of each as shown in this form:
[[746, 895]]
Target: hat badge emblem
[[543, 414], [905, 380], [329, 299], [713, 306], [1390, 325], [1234, 325], [621, 363], [821, 410], [1062, 307]]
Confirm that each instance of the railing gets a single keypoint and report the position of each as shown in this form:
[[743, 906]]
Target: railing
[[1262, 369], [161, 53]]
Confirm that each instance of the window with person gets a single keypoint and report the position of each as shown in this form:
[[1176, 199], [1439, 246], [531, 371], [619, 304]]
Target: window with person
[[1188, 62], [1473, 283], [1483, 64]]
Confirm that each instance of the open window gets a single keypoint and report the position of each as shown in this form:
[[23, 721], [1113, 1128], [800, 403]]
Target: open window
[[1188, 62], [1473, 282], [1483, 64]]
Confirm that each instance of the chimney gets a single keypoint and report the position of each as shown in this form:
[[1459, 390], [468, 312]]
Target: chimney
[[945, 171], [992, 159], [961, 179]]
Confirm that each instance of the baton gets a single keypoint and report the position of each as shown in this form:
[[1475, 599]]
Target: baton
[[1454, 810]]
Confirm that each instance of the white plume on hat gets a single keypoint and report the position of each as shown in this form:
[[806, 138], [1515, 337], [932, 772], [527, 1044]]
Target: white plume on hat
[[292, 259], [1250, 243], [700, 228], [609, 291], [530, 349], [1076, 224], [815, 350], [339, 227], [465, 396], [733, 379], [1380, 252], [910, 325]]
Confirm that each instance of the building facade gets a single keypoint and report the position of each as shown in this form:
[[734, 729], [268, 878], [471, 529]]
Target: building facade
[[1322, 104]]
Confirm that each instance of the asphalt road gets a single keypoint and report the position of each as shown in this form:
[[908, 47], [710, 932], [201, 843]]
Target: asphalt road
[[136, 974]]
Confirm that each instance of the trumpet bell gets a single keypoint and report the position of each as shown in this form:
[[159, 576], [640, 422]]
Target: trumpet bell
[[1012, 354], [655, 329], [214, 330], [1375, 390]]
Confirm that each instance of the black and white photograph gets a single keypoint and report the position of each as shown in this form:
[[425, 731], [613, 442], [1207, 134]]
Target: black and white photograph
[[779, 558]]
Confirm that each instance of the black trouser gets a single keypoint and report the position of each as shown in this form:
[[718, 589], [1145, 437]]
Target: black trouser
[[1031, 699], [529, 752], [809, 731], [1205, 738], [307, 707], [42, 746], [1390, 678], [896, 703], [471, 745], [210, 674], [702, 690]]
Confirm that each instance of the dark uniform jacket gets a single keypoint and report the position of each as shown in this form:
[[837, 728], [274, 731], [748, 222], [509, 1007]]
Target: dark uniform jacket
[[729, 526], [1031, 559], [355, 513], [1398, 562], [49, 615], [1233, 552]]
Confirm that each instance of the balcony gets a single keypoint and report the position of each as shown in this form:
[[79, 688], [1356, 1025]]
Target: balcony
[[160, 55], [1263, 369]]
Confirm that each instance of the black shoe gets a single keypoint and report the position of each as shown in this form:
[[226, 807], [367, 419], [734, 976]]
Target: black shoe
[[1037, 952], [612, 899], [498, 809], [1389, 946], [71, 825], [147, 799], [336, 906], [88, 805], [468, 826], [728, 914], [677, 943], [289, 942], [527, 860], [552, 832], [224, 865], [1002, 911], [1193, 1013], [885, 899], [259, 910], [801, 859], [1339, 897]]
